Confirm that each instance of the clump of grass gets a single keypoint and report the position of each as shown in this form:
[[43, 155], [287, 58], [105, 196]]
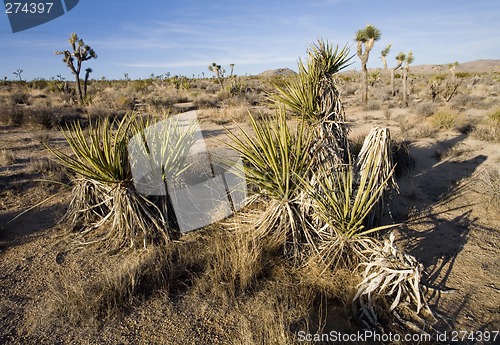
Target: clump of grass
[[7, 157], [489, 129], [403, 158], [113, 289], [489, 185], [425, 109], [14, 116], [387, 113], [373, 105], [20, 98], [447, 118], [495, 115]]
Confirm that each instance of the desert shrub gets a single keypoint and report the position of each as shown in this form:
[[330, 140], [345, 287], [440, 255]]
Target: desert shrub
[[463, 75], [125, 102], [402, 157], [487, 132], [20, 98], [424, 130], [349, 89], [404, 125], [489, 129], [7, 157], [387, 113], [373, 105], [425, 109], [13, 116], [467, 100], [447, 118], [488, 182], [495, 115], [38, 84]]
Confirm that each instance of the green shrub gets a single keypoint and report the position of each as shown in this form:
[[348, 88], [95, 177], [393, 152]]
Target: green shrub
[[495, 115], [446, 118]]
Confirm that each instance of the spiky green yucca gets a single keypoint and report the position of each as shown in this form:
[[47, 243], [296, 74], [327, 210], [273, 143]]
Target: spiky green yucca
[[314, 95], [276, 157], [105, 203], [101, 155]]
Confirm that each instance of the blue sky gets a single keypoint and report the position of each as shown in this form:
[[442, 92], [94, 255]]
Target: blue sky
[[185, 36]]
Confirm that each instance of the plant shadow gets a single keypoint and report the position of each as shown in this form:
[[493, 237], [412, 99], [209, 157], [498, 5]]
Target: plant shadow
[[437, 225]]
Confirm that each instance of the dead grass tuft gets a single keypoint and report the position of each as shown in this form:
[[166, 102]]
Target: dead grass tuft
[[488, 183], [7, 157], [109, 292]]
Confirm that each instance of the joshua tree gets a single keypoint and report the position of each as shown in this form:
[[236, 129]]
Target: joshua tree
[[219, 73], [232, 69], [400, 58], [383, 55], [406, 70], [366, 39], [18, 74], [452, 67], [81, 52]]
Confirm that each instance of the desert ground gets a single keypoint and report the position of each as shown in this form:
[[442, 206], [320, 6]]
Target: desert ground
[[212, 289]]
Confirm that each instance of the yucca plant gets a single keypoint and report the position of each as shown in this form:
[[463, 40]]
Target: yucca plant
[[341, 203], [314, 95], [104, 201], [162, 149], [276, 157]]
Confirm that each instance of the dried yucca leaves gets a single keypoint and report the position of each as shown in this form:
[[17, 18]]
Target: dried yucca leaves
[[391, 282], [375, 160]]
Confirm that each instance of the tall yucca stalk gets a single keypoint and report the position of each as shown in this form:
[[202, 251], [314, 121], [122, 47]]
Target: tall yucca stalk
[[375, 159], [276, 158], [314, 95]]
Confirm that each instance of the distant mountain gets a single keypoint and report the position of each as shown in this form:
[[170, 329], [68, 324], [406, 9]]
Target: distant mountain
[[487, 65], [278, 72]]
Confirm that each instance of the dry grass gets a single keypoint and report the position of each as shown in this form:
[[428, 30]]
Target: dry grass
[[7, 157], [489, 128], [488, 182], [113, 288]]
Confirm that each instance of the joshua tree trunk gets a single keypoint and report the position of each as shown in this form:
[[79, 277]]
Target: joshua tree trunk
[[364, 81], [87, 74], [393, 91], [405, 87], [79, 87]]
